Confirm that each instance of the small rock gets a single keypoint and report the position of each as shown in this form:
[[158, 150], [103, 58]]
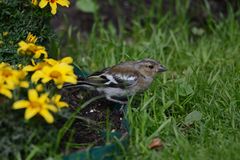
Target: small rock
[[92, 110]]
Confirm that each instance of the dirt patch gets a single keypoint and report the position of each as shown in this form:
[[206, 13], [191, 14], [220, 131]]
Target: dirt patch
[[94, 124]]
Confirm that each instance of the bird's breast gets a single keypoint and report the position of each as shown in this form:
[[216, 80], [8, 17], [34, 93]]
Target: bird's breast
[[142, 84]]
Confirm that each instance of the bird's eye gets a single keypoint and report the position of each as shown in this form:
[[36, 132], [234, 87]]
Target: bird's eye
[[150, 66]]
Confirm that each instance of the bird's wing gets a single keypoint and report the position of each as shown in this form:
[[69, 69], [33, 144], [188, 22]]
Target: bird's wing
[[112, 80]]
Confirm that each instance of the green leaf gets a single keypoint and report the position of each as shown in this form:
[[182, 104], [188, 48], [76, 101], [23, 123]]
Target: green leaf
[[87, 6], [185, 89], [193, 117]]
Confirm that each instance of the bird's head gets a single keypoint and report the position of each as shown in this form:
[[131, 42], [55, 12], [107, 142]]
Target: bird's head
[[149, 67]]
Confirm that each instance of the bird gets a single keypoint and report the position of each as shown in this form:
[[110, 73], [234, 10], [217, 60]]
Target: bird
[[120, 81]]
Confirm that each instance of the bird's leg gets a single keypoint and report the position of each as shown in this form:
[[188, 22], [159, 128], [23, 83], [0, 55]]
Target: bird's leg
[[114, 100]]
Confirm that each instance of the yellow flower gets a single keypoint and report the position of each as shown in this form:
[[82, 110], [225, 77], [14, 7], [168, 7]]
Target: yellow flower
[[59, 73], [3, 65], [47, 62], [56, 100], [34, 66], [31, 49], [9, 76], [21, 76], [12, 78], [34, 2], [4, 90], [20, 66], [31, 38], [53, 4], [39, 87], [36, 105], [5, 33], [1, 43]]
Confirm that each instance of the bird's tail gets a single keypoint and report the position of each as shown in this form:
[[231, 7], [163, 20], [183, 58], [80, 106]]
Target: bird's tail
[[81, 83]]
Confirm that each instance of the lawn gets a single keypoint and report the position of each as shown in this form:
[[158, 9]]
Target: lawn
[[193, 107]]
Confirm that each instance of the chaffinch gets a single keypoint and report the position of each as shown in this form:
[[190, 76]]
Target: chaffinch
[[122, 80]]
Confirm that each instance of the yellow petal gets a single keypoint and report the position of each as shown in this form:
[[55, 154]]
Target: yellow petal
[[39, 87], [37, 54], [45, 54], [24, 84], [20, 104], [62, 104], [58, 80], [59, 86], [9, 85], [51, 61], [46, 79], [51, 107], [57, 98], [33, 62], [47, 115], [67, 60], [6, 92], [23, 46], [36, 76], [34, 2], [53, 8], [21, 74], [22, 43], [5, 33], [71, 79], [30, 37], [63, 3], [43, 3], [32, 95], [30, 112], [43, 98]]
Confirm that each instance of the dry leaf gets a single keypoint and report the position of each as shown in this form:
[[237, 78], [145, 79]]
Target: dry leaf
[[156, 144]]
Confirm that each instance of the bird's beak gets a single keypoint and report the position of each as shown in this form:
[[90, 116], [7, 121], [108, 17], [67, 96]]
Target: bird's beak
[[162, 69]]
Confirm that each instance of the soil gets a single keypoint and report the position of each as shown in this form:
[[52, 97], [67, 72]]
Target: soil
[[93, 122]]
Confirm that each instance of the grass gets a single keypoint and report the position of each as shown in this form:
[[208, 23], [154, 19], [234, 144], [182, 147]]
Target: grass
[[203, 75]]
